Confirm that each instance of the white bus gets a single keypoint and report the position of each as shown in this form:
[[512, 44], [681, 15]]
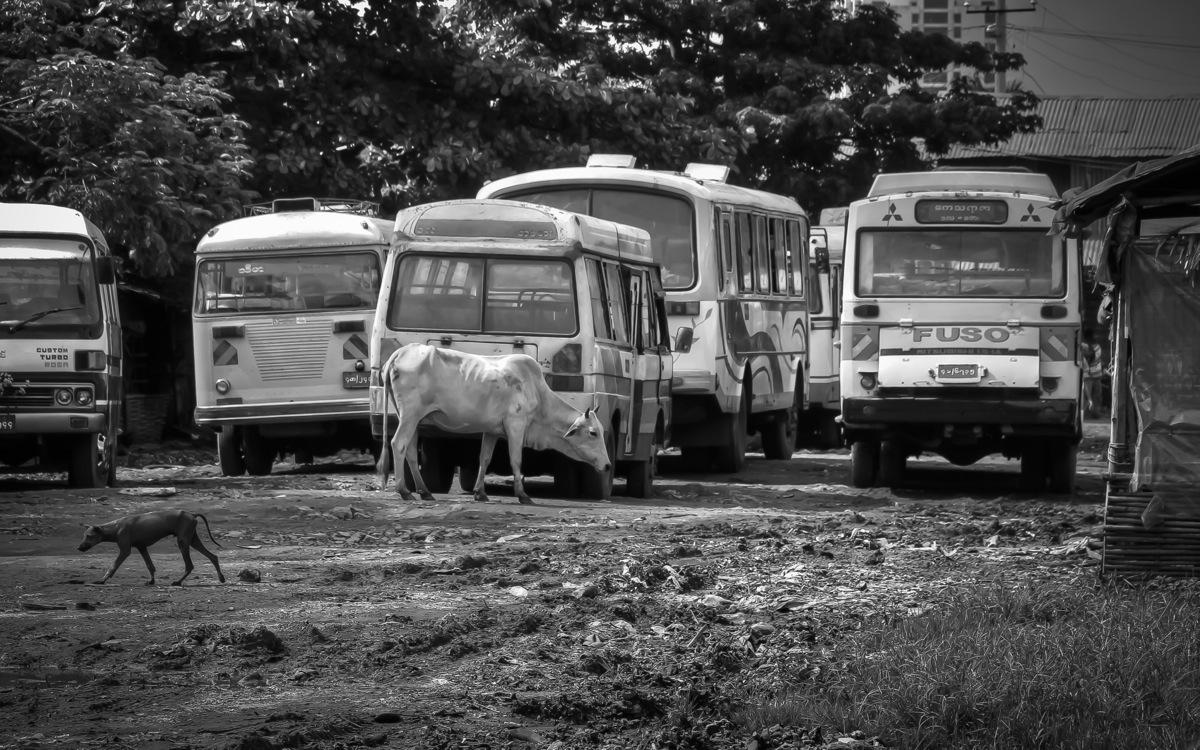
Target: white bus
[[583, 296], [819, 424], [960, 326], [734, 268], [61, 363], [284, 300]]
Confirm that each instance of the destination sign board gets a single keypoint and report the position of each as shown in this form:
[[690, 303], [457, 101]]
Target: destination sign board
[[943, 211]]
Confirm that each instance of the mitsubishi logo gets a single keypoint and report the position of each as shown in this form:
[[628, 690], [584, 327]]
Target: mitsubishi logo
[[1030, 215], [892, 215]]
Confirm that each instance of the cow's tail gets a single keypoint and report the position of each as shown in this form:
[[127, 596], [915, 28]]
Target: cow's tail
[[385, 455]]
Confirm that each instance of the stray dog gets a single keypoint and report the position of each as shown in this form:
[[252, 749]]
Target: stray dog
[[141, 530]]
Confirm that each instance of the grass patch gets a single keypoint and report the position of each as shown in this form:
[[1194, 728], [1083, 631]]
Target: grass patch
[[1046, 666]]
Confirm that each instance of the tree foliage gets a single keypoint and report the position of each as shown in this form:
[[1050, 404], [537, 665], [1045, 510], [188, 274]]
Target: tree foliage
[[161, 117]]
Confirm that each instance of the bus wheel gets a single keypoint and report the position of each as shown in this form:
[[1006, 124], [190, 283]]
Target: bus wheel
[[731, 457], [891, 463], [1061, 470], [1033, 466], [831, 431], [436, 467], [257, 451], [639, 482], [778, 437], [597, 485], [91, 459], [864, 463], [229, 451]]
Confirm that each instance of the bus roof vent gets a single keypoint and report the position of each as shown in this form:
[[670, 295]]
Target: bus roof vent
[[1030, 183], [710, 172], [626, 161], [337, 205]]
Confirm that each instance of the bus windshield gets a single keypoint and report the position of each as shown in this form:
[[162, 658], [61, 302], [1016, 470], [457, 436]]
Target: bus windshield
[[444, 293], [300, 282], [48, 289], [667, 218], [959, 263]]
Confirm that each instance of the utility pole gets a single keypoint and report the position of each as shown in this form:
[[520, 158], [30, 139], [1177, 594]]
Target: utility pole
[[994, 27]]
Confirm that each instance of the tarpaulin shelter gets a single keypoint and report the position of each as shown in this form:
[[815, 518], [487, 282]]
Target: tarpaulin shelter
[[1150, 265]]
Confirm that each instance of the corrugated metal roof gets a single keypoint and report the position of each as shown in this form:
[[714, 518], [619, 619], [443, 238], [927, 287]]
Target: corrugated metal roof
[[1101, 128]]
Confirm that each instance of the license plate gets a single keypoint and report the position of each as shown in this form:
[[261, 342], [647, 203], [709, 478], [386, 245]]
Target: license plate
[[8, 423], [356, 380], [958, 372]]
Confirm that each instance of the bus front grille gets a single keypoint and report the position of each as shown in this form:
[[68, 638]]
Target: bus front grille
[[290, 352]]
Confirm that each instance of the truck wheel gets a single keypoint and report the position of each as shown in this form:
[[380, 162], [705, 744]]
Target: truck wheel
[[436, 467], [597, 485], [639, 482], [778, 437], [1033, 466], [1061, 470], [731, 457], [92, 459], [892, 458], [229, 451], [257, 451], [864, 463]]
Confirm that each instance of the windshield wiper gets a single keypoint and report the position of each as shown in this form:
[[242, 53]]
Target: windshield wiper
[[38, 316]]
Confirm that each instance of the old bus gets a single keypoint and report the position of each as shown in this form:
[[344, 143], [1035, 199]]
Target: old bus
[[819, 424], [284, 300], [960, 326], [581, 295], [60, 344], [734, 268]]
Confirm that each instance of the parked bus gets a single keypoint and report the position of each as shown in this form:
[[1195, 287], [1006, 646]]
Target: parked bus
[[819, 424], [581, 295], [734, 266], [284, 299], [61, 391], [960, 326]]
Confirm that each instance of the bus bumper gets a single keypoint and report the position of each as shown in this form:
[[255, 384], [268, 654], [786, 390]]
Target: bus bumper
[[25, 423], [239, 414], [874, 413]]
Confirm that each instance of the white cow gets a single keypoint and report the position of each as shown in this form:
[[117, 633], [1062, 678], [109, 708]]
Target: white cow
[[504, 396]]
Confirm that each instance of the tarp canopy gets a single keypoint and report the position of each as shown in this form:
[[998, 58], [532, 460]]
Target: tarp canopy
[[1162, 187]]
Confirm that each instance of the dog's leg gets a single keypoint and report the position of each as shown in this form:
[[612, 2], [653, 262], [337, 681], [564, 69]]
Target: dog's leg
[[149, 565], [124, 548], [199, 547], [187, 560]]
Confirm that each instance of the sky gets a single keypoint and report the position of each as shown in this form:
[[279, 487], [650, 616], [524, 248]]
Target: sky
[[1115, 48]]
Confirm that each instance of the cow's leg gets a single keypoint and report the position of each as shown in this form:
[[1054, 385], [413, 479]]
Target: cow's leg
[[404, 436], [486, 446], [414, 468], [516, 444]]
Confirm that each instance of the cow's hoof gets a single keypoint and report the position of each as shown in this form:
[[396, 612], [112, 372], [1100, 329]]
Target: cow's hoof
[[480, 497], [428, 497], [149, 583], [524, 500], [100, 582]]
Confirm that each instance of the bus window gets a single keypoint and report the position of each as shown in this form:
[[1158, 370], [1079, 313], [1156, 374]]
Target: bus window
[[762, 256], [302, 282], [793, 248], [728, 269], [745, 253], [438, 293], [529, 296], [637, 307], [600, 323], [618, 304], [779, 281]]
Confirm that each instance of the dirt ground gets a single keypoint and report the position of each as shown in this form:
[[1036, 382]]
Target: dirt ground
[[352, 619]]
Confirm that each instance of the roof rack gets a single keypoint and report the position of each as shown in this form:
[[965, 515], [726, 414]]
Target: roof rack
[[336, 205]]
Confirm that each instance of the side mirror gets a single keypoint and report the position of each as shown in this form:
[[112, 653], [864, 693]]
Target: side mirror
[[106, 270], [683, 340], [818, 243]]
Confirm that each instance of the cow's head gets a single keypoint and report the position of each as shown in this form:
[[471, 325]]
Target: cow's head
[[584, 441]]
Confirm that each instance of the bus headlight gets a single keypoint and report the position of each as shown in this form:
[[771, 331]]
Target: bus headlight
[[83, 396], [867, 381], [63, 397], [222, 386]]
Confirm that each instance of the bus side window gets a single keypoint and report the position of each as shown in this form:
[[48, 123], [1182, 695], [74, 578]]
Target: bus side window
[[634, 285], [618, 304], [658, 317], [762, 256], [779, 280], [745, 250], [602, 327], [728, 269], [793, 250]]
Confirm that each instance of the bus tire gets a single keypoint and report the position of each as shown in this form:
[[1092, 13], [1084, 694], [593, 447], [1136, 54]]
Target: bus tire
[[1033, 466], [92, 457], [639, 482], [864, 463], [892, 458], [830, 430], [229, 451], [258, 452], [597, 485], [1060, 471], [731, 457], [778, 437], [436, 467]]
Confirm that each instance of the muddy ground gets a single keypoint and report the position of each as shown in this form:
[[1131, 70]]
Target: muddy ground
[[352, 619]]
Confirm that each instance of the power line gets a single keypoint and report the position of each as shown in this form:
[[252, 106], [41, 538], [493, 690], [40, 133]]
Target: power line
[[1080, 72], [1142, 41], [1086, 33]]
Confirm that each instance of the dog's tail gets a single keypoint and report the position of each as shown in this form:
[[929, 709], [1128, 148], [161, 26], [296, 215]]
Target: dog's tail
[[210, 536]]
